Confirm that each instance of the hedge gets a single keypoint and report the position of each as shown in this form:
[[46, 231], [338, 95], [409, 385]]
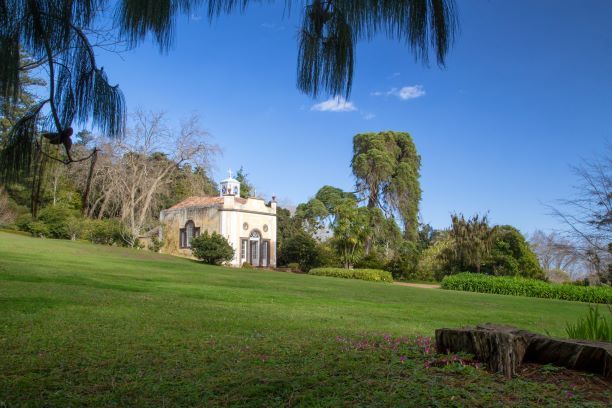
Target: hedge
[[375, 275], [517, 286]]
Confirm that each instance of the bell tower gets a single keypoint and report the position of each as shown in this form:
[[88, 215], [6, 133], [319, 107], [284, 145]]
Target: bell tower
[[230, 186]]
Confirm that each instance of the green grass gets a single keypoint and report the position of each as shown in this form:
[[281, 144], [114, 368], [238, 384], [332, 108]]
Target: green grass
[[83, 324]]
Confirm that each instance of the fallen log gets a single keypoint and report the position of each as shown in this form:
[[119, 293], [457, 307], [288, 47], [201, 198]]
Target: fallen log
[[504, 348]]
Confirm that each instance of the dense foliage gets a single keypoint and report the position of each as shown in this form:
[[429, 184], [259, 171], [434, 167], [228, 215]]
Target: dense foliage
[[302, 249], [511, 255], [212, 249], [517, 286], [387, 168], [375, 275]]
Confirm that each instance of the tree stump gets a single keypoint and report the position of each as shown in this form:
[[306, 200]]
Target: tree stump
[[504, 348]]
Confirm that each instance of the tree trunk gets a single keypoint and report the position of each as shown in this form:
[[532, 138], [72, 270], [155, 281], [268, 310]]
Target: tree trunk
[[85, 198], [504, 348]]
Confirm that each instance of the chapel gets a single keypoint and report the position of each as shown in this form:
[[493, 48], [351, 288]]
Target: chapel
[[249, 224]]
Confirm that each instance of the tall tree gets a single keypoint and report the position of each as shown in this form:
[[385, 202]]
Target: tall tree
[[387, 168], [471, 242], [61, 34]]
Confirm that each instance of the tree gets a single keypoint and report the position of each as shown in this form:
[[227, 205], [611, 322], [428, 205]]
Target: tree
[[55, 35], [246, 188], [62, 35], [511, 255], [404, 264], [386, 166], [318, 215], [133, 178], [434, 263], [212, 249], [557, 255], [12, 109], [351, 229], [300, 248], [471, 242], [588, 215]]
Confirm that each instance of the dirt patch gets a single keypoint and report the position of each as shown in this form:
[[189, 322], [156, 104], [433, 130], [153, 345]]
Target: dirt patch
[[418, 285]]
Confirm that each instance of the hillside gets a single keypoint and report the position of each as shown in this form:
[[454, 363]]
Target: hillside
[[86, 324]]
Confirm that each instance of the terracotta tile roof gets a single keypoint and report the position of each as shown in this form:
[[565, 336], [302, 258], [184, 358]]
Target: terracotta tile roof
[[203, 202], [198, 202]]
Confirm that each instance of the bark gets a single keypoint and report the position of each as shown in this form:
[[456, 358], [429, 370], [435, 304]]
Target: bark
[[504, 348], [85, 198]]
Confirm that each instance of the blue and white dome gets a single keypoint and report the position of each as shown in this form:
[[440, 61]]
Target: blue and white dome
[[230, 186]]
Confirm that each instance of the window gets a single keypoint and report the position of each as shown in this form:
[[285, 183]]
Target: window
[[264, 253], [243, 250], [187, 234]]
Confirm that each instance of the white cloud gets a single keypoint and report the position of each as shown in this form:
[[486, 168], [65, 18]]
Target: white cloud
[[411, 92], [405, 93], [337, 104]]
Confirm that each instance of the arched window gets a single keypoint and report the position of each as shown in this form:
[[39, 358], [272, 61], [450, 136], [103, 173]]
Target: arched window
[[255, 235], [187, 234]]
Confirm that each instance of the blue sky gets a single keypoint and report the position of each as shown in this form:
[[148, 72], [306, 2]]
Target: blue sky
[[525, 94]]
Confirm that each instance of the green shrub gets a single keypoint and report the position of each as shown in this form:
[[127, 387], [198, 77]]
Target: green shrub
[[38, 229], [106, 232], [432, 264], [371, 261], [156, 244], [22, 222], [303, 249], [246, 265], [517, 286], [57, 219], [404, 264], [594, 326], [212, 249], [294, 266], [375, 275]]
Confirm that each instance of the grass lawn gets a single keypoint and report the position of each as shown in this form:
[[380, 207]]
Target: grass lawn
[[83, 324]]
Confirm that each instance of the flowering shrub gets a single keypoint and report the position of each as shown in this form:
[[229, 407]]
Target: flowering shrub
[[516, 286], [375, 275]]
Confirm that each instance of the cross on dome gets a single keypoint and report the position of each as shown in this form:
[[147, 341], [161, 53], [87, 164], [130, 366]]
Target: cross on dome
[[229, 171]]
